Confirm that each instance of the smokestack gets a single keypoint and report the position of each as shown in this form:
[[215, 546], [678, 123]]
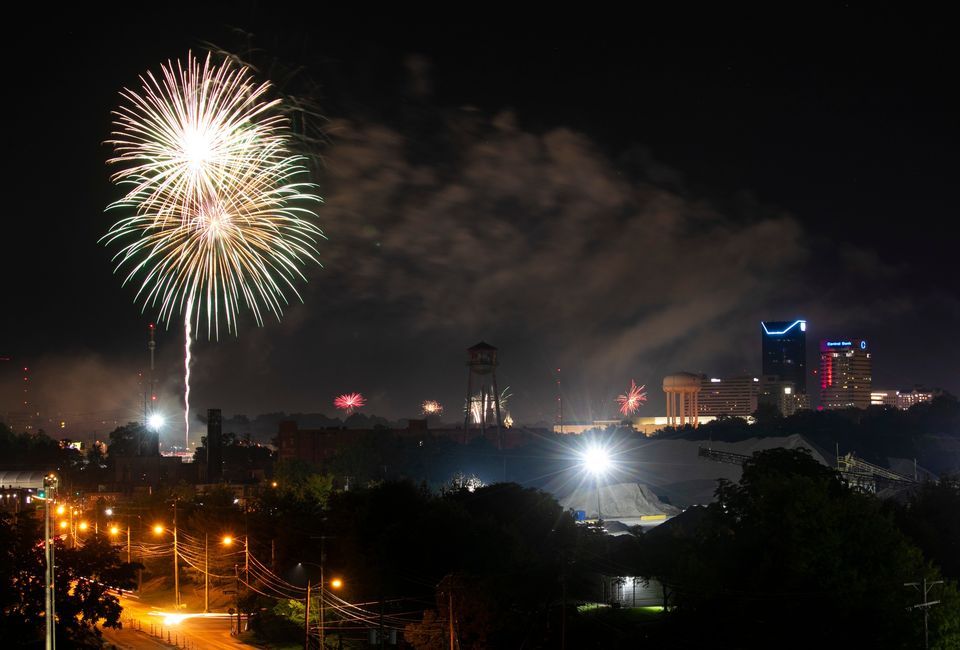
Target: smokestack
[[214, 445]]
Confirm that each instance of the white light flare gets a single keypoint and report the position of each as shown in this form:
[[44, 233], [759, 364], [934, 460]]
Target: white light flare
[[155, 421], [596, 460]]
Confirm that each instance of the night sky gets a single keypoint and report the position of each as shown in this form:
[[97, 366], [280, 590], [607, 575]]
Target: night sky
[[620, 204]]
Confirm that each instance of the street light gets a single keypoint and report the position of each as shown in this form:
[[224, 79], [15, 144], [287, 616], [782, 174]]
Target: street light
[[335, 583], [596, 460], [155, 421], [228, 540], [158, 529]]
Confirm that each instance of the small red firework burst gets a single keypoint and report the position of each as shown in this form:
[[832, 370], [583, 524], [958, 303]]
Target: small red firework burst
[[349, 402], [631, 401]]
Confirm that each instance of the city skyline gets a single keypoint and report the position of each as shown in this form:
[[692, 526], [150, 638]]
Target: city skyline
[[617, 232]]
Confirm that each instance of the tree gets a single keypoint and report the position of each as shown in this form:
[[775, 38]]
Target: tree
[[788, 545], [84, 579], [931, 519], [125, 440]]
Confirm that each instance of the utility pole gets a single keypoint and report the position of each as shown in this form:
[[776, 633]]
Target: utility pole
[[306, 620], [236, 595], [50, 486], [323, 558], [925, 605], [206, 573], [450, 614], [563, 600], [176, 560]]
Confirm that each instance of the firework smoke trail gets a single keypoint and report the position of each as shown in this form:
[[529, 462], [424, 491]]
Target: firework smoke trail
[[188, 336], [631, 400]]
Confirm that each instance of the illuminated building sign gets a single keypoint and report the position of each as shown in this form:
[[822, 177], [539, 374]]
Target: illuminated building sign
[[801, 323], [838, 344]]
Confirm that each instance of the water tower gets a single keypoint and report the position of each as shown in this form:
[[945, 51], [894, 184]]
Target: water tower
[[683, 399], [482, 374]]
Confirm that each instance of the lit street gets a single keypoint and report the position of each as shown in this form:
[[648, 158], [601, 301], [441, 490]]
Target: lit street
[[186, 630]]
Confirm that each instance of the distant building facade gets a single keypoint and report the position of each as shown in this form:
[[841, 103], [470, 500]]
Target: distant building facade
[[733, 396], [846, 374], [784, 352], [879, 397], [648, 425], [908, 398], [317, 446], [781, 394]]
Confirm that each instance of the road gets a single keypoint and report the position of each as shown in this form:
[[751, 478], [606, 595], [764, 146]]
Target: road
[[144, 626]]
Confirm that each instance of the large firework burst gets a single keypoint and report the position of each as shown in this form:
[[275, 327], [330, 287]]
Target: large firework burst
[[630, 402], [218, 217], [215, 215]]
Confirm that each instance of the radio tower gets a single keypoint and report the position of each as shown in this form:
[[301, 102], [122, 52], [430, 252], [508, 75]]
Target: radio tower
[[152, 346], [559, 403]]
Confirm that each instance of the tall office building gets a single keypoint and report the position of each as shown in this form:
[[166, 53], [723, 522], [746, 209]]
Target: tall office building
[[845, 374], [785, 352]]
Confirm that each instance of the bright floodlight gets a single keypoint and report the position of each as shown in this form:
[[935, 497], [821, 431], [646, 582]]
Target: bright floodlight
[[155, 421], [596, 460]]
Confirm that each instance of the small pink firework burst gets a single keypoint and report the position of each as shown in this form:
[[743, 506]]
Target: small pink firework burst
[[431, 407], [349, 402], [630, 403]]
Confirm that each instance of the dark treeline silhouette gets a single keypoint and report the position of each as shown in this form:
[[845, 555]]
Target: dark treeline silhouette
[[875, 433]]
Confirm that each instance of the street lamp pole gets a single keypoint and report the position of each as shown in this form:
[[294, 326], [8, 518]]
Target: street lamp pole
[[335, 583], [206, 573], [176, 559], [323, 558], [306, 621], [599, 514], [50, 485]]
